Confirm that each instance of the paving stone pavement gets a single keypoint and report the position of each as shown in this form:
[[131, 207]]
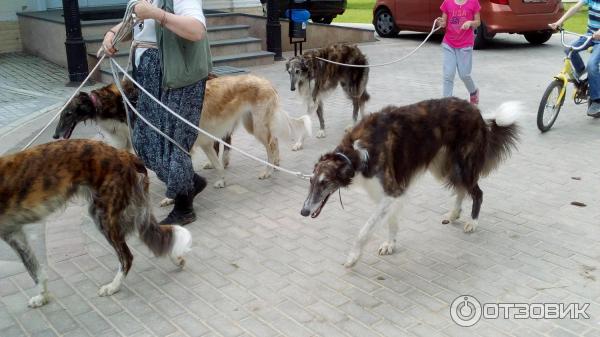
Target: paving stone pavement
[[259, 269]]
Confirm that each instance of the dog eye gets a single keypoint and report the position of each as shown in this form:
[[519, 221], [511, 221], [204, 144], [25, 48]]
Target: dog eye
[[297, 71]]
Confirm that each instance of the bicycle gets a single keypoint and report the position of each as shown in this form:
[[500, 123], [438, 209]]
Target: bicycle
[[550, 106]]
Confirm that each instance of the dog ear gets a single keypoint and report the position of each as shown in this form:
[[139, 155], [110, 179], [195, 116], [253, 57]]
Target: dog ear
[[304, 65]]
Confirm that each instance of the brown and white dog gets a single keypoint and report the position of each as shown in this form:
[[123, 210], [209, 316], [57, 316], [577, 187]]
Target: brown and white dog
[[228, 100], [387, 150], [36, 182], [316, 79]]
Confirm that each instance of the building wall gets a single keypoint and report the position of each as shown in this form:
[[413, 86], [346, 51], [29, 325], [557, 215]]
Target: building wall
[[10, 38]]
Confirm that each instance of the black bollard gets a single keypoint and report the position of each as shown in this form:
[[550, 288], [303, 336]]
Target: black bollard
[[74, 44], [274, 29]]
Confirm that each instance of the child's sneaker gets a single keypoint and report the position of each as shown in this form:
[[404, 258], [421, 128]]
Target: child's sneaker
[[474, 98]]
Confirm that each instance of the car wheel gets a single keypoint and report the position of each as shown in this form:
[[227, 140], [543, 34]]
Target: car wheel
[[384, 23], [482, 37], [539, 37], [323, 19]]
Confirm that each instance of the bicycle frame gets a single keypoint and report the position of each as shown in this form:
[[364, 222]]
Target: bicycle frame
[[568, 72]]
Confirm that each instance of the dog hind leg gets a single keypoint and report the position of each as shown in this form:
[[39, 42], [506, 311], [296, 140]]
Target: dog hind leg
[[117, 241], [355, 109], [477, 194], [18, 242], [454, 214], [381, 214], [226, 151], [321, 133], [214, 160], [270, 143], [388, 246]]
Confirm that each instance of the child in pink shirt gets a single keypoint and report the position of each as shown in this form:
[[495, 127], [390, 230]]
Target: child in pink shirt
[[459, 17]]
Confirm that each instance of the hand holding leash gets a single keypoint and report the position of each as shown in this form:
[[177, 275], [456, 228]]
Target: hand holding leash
[[441, 23]]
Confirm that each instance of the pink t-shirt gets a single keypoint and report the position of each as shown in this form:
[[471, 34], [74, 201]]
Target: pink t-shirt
[[456, 37]]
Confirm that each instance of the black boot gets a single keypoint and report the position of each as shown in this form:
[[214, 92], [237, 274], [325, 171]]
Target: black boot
[[183, 211]]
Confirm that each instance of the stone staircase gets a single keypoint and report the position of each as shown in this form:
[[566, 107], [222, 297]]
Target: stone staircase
[[230, 44]]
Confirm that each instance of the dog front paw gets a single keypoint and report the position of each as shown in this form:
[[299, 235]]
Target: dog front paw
[[451, 216], [297, 147], [321, 133], [352, 259], [387, 248], [219, 183], [38, 301], [178, 261], [470, 226], [208, 166], [108, 289], [265, 174], [166, 202]]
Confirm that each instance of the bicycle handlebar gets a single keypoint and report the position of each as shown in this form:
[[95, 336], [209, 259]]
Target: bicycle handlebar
[[565, 32]]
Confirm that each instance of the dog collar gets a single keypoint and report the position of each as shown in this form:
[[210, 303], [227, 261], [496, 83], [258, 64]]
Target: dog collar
[[345, 158], [95, 101]]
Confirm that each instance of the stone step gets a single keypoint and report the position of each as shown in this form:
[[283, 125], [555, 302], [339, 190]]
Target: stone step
[[221, 51], [99, 27], [216, 33], [245, 59], [235, 46], [225, 32], [105, 75]]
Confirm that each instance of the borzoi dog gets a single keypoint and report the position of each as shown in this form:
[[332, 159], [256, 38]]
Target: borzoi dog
[[387, 150], [36, 182], [228, 100], [316, 79]]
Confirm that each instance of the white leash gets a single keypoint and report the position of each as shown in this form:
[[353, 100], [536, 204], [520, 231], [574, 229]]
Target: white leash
[[114, 64], [65, 105], [433, 30]]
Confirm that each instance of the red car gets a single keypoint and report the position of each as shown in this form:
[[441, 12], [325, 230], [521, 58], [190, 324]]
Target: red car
[[527, 17]]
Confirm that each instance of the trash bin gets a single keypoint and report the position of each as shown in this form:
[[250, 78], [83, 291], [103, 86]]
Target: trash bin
[[298, 22]]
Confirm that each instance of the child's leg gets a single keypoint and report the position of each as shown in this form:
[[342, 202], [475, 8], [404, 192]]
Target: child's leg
[[449, 69], [465, 64]]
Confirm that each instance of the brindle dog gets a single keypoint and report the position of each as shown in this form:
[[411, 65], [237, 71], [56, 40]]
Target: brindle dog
[[36, 182], [315, 79]]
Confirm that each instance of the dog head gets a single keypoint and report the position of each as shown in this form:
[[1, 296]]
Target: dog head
[[297, 68], [332, 171], [80, 109]]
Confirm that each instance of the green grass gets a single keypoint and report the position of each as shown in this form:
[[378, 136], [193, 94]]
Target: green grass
[[578, 22], [357, 11], [361, 11]]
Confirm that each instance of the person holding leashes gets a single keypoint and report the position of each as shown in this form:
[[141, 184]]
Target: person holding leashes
[[459, 18], [593, 65], [171, 61]]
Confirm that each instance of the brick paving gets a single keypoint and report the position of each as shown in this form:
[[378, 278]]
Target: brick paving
[[259, 269]]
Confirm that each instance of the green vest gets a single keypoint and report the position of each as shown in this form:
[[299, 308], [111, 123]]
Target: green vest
[[183, 62]]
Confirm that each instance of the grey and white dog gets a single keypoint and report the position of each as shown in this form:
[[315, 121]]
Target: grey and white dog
[[315, 79]]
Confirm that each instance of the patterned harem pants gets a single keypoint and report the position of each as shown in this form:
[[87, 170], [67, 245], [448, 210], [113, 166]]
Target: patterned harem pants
[[171, 165]]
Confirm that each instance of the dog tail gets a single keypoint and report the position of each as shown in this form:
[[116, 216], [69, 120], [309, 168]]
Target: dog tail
[[504, 134], [173, 240]]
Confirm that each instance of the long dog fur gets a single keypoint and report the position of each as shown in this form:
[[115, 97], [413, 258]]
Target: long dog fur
[[387, 150], [36, 182], [228, 100], [316, 79]]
